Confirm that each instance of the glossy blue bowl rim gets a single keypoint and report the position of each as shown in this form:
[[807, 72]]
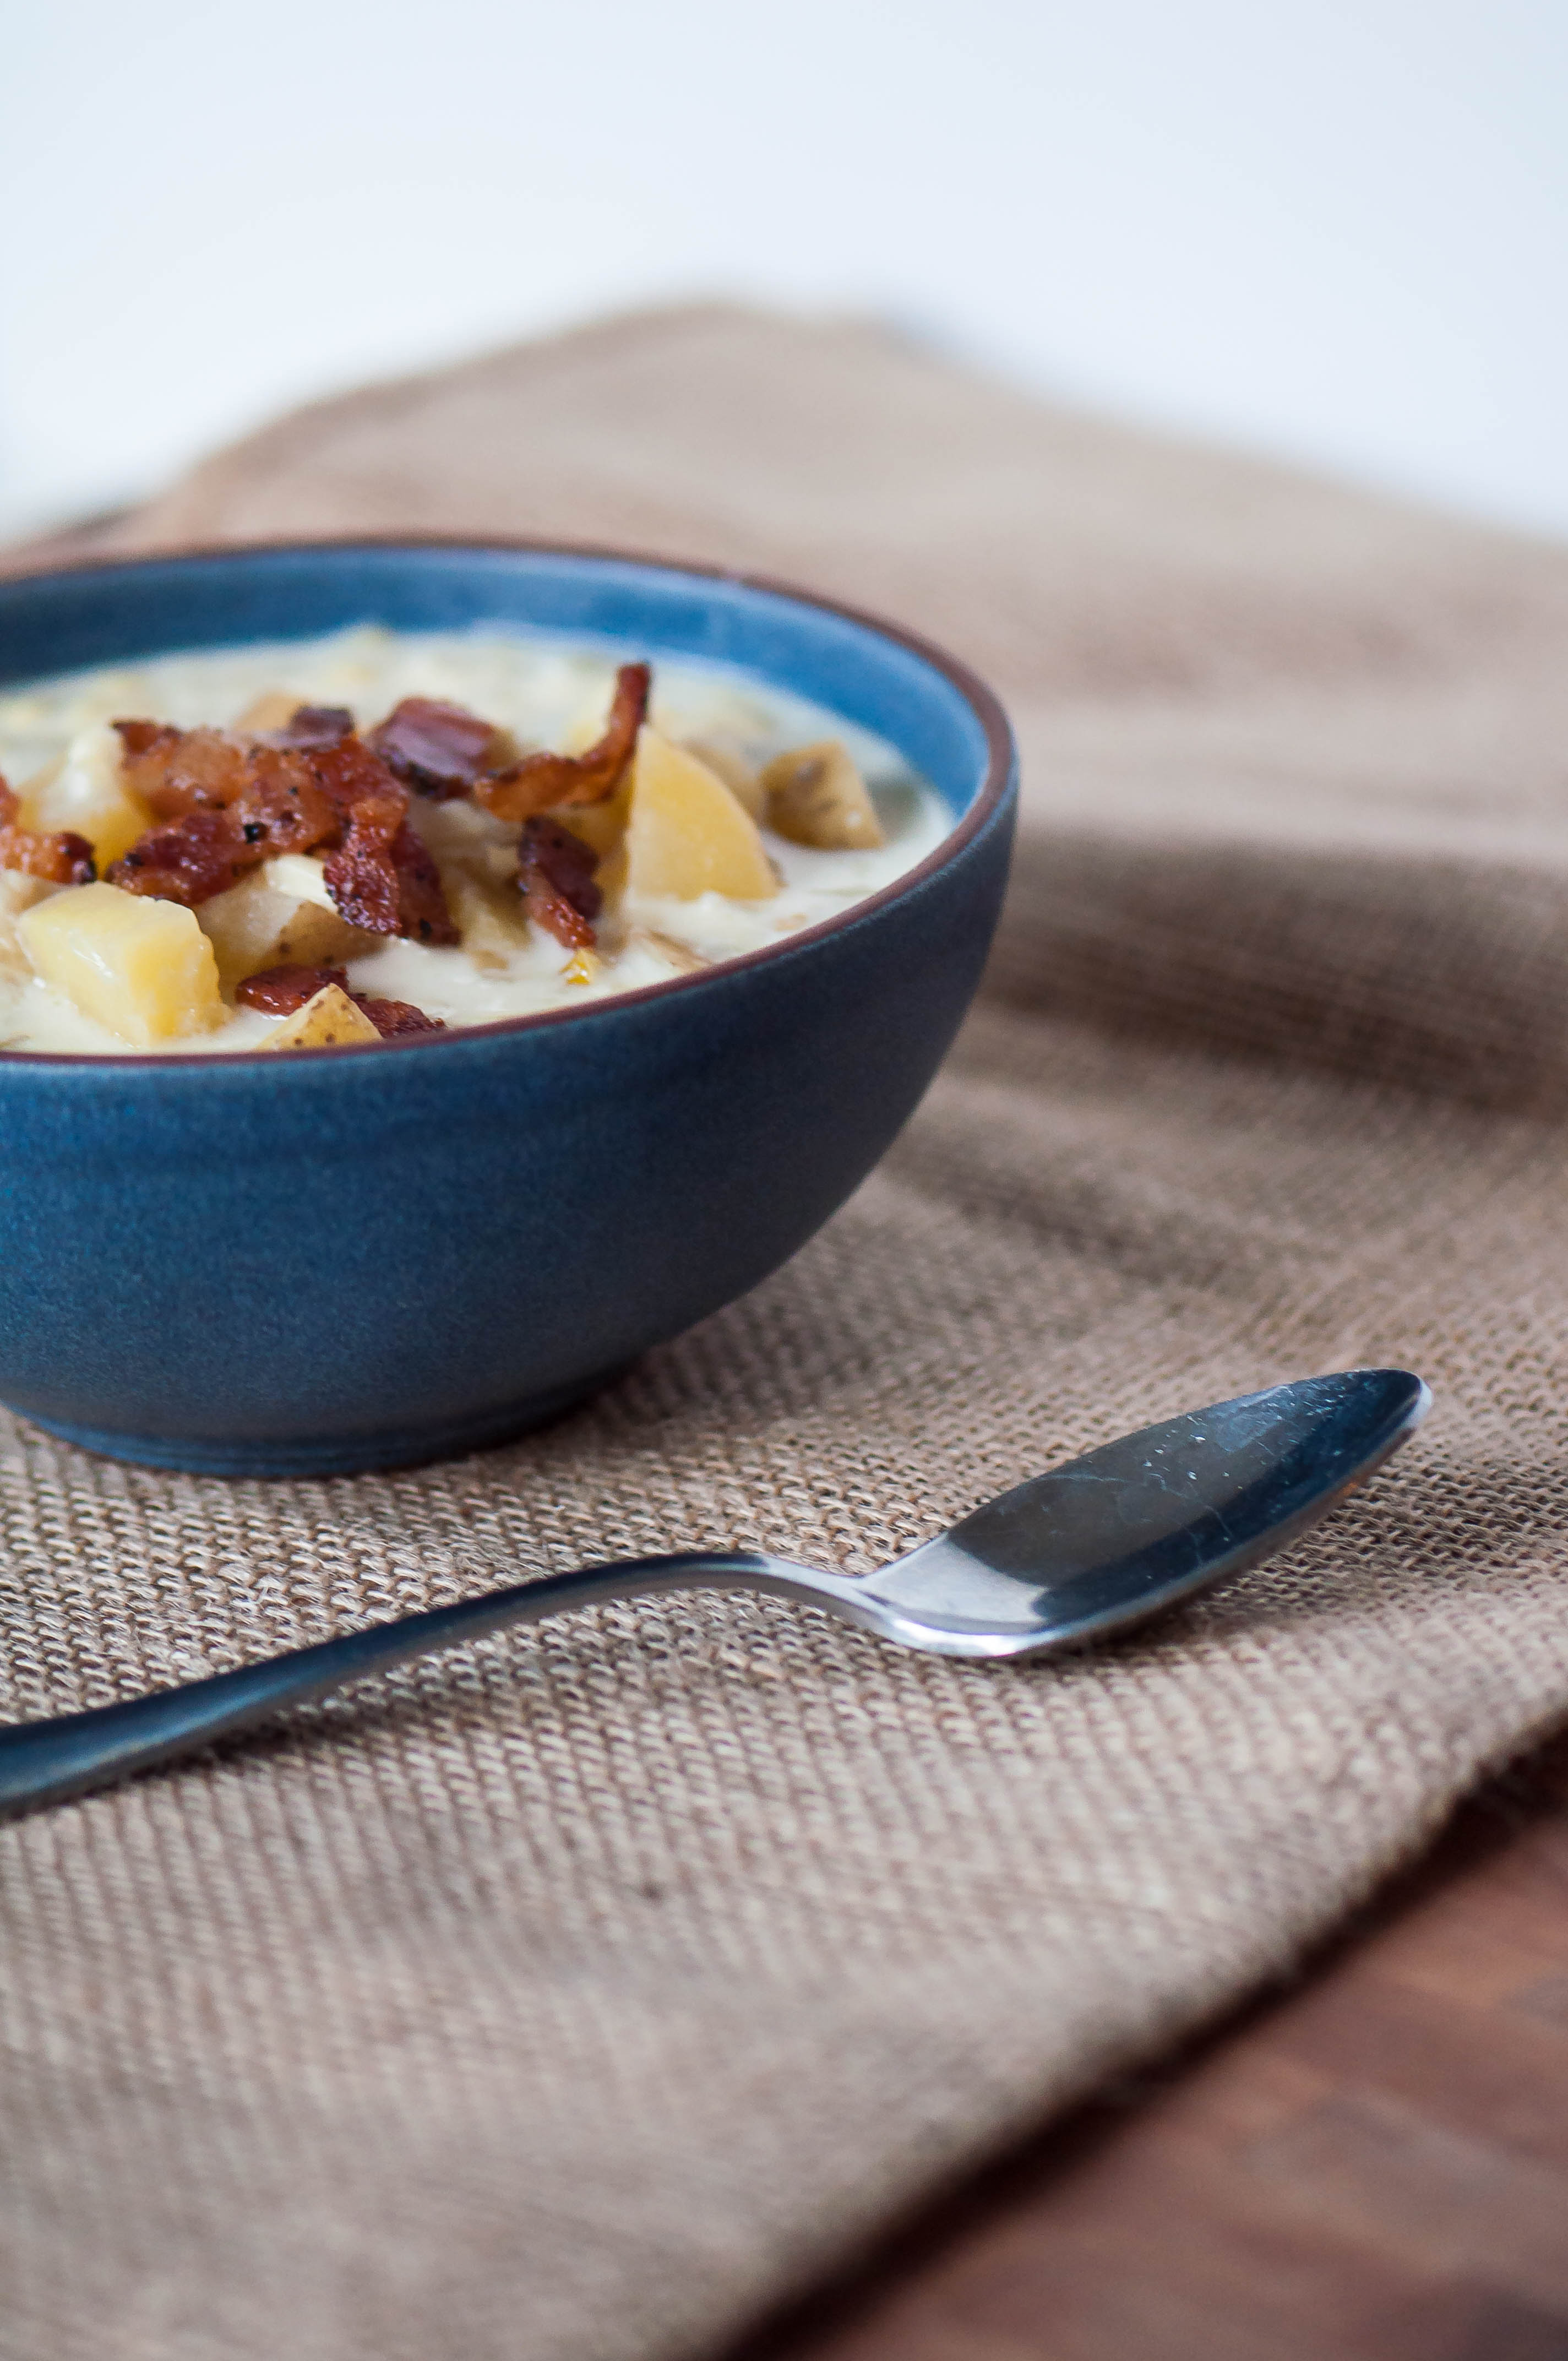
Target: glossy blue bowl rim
[[982, 702]]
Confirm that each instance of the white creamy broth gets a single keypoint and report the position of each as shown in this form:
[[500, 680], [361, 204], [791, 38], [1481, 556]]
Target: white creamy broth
[[545, 693]]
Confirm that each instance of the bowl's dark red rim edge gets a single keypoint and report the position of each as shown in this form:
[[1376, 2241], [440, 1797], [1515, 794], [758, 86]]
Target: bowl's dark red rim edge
[[981, 701]]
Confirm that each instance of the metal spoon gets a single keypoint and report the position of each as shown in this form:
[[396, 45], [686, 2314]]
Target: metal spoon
[[1070, 1556]]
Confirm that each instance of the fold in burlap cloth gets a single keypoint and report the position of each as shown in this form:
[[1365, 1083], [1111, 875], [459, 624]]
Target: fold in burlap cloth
[[578, 1996]]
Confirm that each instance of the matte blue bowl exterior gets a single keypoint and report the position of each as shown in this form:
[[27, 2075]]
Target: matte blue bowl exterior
[[364, 1257]]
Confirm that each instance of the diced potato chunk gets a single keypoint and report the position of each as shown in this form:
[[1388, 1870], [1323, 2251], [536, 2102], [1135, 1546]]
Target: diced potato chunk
[[490, 919], [17, 892], [301, 876], [686, 834], [140, 967], [329, 1021], [737, 774], [816, 795], [281, 915], [273, 709], [84, 792]]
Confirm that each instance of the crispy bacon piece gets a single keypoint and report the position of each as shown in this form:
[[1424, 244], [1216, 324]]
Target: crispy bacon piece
[[555, 872], [229, 803], [210, 849], [544, 782], [438, 750], [422, 913], [360, 876], [281, 991], [60, 855], [178, 771], [383, 878], [348, 772], [226, 806], [137, 737], [395, 1018], [270, 791], [314, 725], [187, 861], [281, 805]]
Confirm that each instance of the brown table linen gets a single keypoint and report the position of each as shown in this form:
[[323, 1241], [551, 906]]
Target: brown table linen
[[575, 1998]]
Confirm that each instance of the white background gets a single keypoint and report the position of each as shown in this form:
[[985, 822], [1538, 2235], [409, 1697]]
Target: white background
[[1335, 229]]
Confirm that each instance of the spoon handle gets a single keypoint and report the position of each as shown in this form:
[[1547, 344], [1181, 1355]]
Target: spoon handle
[[45, 1762]]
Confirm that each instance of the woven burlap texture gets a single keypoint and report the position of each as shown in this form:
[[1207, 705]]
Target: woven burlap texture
[[573, 1999]]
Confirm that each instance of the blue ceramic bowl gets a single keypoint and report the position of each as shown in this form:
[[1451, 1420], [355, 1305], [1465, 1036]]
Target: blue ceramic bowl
[[362, 1258]]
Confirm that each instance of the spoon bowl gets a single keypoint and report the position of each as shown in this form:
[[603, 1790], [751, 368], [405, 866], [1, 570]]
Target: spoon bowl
[[1069, 1558], [1136, 1526]]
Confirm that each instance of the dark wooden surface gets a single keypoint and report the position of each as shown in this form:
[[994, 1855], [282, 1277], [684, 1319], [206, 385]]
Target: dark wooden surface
[[1372, 2168]]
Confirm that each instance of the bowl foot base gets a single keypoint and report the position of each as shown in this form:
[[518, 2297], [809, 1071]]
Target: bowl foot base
[[346, 1455]]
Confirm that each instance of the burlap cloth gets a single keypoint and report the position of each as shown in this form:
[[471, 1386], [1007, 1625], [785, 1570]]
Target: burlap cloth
[[579, 1996]]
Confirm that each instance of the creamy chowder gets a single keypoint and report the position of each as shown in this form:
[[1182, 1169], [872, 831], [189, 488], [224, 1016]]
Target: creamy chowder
[[145, 908]]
